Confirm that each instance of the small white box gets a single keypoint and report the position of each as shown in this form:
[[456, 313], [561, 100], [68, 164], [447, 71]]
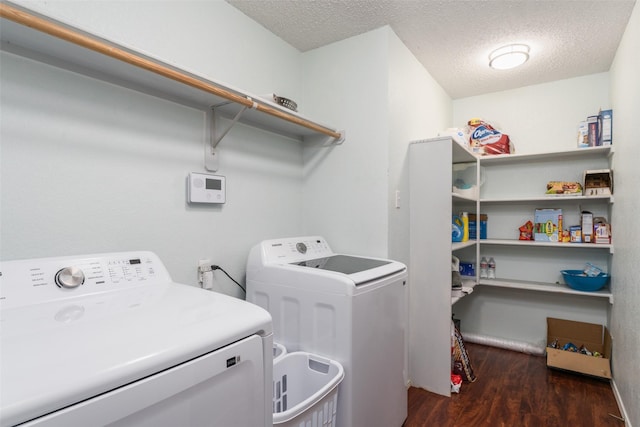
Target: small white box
[[583, 135], [586, 223], [602, 232]]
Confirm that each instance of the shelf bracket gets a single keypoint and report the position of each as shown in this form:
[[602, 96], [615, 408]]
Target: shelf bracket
[[214, 134]]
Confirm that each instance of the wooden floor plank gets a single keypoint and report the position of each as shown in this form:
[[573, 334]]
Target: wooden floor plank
[[516, 390]]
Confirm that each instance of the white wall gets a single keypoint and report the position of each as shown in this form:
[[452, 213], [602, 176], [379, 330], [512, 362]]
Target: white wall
[[418, 108], [88, 167], [541, 117], [625, 88], [374, 87], [345, 188]]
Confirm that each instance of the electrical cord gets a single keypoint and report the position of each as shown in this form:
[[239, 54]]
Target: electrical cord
[[217, 267]]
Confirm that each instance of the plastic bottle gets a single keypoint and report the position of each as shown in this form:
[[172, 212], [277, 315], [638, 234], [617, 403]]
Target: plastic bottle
[[492, 269], [484, 268], [465, 226]]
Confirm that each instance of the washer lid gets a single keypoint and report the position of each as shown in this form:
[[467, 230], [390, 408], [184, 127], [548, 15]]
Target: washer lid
[[356, 270], [58, 353], [345, 264]]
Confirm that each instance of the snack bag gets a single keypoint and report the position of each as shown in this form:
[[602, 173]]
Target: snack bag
[[563, 187], [485, 139], [526, 231]]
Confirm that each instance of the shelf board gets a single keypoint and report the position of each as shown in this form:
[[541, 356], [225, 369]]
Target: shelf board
[[562, 155], [546, 287], [466, 283], [546, 199], [461, 198], [455, 246], [531, 243], [43, 39]]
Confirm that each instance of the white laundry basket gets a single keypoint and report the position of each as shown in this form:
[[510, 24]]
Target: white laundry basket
[[305, 390], [279, 351]]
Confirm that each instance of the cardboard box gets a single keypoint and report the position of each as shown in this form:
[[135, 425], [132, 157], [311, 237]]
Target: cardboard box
[[583, 135], [593, 135], [586, 225], [546, 224], [575, 234], [602, 233], [467, 268], [606, 133], [598, 182], [473, 228], [594, 337]]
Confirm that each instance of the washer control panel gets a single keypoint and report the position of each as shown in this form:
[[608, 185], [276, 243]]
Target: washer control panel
[[34, 281], [295, 249]]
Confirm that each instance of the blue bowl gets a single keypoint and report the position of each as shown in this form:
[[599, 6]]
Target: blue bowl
[[576, 279]]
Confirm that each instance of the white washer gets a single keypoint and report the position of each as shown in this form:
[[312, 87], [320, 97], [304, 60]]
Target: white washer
[[109, 339], [350, 309]]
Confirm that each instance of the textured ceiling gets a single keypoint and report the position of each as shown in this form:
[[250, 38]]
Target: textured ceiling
[[453, 38]]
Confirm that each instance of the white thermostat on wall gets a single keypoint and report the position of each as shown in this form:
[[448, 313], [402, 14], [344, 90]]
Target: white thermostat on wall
[[206, 188]]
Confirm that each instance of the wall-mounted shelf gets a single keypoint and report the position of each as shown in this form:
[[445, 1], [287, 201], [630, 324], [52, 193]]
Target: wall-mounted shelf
[[550, 199], [532, 243], [589, 152], [43, 39], [461, 245], [461, 198], [546, 287]]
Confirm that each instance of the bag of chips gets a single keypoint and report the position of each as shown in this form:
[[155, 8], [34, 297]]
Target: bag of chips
[[462, 363]]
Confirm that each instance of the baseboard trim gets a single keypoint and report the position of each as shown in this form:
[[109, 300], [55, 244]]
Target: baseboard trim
[[621, 407]]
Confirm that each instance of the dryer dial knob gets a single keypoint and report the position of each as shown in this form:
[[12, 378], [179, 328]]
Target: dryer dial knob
[[69, 277]]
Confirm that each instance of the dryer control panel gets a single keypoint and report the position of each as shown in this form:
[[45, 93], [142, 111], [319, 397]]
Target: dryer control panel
[[27, 282]]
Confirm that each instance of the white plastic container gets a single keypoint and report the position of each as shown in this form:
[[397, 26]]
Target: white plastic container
[[279, 351], [305, 390]]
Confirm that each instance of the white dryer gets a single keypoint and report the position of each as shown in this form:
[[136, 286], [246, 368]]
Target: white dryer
[[110, 340], [348, 308]]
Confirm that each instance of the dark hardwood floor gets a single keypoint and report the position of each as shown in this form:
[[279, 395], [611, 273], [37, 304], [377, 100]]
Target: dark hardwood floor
[[516, 390]]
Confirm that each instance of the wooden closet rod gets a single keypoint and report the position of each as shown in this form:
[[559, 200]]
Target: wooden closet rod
[[53, 29]]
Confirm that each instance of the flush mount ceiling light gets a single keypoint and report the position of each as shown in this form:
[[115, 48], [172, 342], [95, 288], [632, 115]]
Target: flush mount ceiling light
[[509, 56]]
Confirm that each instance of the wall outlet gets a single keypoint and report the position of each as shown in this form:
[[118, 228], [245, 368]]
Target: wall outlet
[[205, 274], [204, 265]]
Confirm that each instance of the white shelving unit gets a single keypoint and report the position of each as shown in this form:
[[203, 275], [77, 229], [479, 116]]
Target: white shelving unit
[[548, 199], [432, 204], [512, 202], [512, 188], [43, 39]]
